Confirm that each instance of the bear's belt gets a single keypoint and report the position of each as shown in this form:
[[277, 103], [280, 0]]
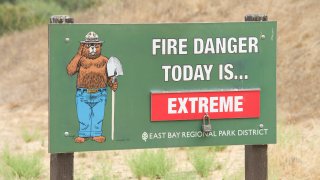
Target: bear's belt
[[91, 91]]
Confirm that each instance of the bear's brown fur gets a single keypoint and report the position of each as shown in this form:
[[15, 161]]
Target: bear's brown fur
[[91, 69]]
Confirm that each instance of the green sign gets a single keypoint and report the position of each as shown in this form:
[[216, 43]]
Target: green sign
[[130, 86]]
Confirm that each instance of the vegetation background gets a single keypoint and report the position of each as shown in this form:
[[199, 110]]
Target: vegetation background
[[24, 87]]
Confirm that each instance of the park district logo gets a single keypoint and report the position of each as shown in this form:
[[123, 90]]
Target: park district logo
[[151, 136]]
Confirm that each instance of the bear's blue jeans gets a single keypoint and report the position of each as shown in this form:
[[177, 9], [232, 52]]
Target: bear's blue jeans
[[90, 110]]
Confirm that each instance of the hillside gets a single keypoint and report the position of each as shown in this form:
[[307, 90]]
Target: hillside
[[24, 61]]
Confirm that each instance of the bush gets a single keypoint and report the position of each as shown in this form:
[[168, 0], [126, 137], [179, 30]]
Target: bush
[[73, 5], [40, 10], [12, 17], [219, 148], [20, 166], [8, 1], [150, 164], [202, 160], [29, 136], [23, 14]]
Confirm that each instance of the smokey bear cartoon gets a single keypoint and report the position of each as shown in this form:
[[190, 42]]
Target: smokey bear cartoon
[[91, 87]]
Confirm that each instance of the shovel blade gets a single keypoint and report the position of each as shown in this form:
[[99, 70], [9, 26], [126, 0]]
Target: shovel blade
[[114, 67]]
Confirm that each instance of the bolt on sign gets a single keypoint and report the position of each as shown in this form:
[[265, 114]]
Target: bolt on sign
[[127, 86]]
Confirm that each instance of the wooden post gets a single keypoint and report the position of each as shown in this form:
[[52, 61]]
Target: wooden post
[[256, 162], [61, 164], [256, 156]]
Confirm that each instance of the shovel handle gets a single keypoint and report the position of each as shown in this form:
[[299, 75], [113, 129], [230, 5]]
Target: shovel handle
[[114, 79], [112, 115]]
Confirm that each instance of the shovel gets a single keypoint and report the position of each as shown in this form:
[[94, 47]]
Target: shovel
[[114, 69]]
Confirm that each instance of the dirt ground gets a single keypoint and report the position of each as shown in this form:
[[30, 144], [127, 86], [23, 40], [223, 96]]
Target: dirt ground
[[24, 82]]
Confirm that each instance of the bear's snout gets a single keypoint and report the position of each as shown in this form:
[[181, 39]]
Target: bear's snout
[[92, 50]]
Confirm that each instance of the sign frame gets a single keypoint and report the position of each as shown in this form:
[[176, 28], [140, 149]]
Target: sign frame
[[70, 146]]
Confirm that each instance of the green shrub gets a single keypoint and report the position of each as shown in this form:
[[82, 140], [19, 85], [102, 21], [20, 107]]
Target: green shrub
[[219, 148], [73, 5], [28, 136], [8, 1], [150, 164], [40, 10], [25, 14], [202, 160], [20, 166], [12, 17]]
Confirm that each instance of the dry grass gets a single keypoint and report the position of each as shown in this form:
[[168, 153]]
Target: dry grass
[[24, 86], [296, 156]]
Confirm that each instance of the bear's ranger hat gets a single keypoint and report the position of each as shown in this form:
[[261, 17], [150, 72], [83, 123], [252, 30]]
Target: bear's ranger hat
[[92, 37]]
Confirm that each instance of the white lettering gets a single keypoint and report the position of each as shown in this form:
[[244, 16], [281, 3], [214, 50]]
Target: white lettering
[[198, 73], [171, 105], [183, 46], [242, 44], [232, 47], [163, 46], [238, 103], [228, 72], [197, 46], [209, 47], [172, 46], [212, 104], [203, 104], [183, 102], [193, 101], [155, 46], [221, 45], [187, 73], [176, 73], [207, 69], [166, 72], [253, 44], [226, 105]]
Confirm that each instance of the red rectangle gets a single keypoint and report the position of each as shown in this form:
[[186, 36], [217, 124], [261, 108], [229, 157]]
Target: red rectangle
[[193, 105]]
